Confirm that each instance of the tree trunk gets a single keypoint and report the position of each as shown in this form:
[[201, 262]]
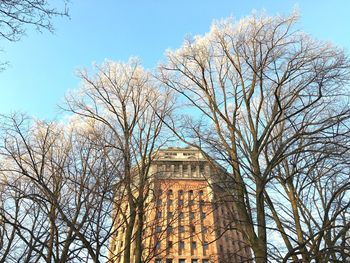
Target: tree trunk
[[138, 240], [261, 249]]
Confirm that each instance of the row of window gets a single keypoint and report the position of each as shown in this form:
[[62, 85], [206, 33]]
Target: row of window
[[169, 260], [180, 192], [175, 153], [180, 202], [176, 168], [169, 229], [181, 215], [182, 245], [170, 154]]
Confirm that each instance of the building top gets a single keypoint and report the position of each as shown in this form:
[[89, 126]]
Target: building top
[[179, 154]]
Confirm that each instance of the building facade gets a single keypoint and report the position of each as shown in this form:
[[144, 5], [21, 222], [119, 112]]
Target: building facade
[[188, 217]]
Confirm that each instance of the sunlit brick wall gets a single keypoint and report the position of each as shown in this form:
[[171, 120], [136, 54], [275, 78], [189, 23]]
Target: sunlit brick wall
[[187, 219]]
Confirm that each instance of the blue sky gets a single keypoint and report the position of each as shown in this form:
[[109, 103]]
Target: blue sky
[[42, 66]]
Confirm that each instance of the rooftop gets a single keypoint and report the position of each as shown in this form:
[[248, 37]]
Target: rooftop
[[179, 153]]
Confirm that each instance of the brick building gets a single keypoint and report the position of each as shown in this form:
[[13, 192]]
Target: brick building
[[188, 217]]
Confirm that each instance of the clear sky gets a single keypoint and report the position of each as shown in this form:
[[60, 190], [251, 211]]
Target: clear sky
[[42, 66]]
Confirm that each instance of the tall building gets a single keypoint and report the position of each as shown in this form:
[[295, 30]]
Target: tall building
[[188, 217]]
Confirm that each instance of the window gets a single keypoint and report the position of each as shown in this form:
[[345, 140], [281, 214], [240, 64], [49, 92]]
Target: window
[[185, 167], [170, 214], [159, 214], [170, 201], [181, 229], [169, 260], [190, 192], [182, 261], [205, 245], [182, 245], [201, 192], [158, 245], [170, 192], [181, 202], [170, 244], [201, 202], [158, 229], [194, 261], [204, 230], [191, 215], [159, 202], [193, 245], [158, 261], [191, 202], [201, 168], [181, 192], [170, 229], [193, 228], [204, 215], [181, 215], [205, 261], [170, 154]]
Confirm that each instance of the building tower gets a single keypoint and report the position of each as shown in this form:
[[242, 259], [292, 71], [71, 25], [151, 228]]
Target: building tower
[[188, 219]]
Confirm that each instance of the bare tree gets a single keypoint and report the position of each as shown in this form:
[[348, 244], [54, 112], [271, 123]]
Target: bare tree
[[16, 14], [57, 189], [261, 94], [124, 100], [310, 204], [64, 186]]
